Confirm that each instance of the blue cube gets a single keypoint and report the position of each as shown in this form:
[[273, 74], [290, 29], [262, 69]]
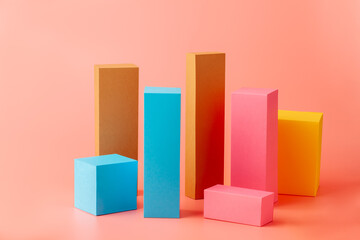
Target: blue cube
[[105, 184]]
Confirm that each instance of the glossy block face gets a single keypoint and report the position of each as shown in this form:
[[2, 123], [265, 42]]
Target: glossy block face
[[254, 133], [205, 109], [162, 152], [105, 184], [240, 205], [300, 135], [116, 109]]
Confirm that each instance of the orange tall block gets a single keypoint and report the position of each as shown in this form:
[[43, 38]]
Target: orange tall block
[[116, 109], [205, 105], [300, 135]]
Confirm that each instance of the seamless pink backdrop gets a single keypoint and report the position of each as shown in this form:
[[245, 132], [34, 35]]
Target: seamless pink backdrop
[[308, 49]]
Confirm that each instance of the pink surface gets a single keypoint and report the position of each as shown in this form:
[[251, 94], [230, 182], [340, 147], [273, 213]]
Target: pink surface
[[240, 205], [308, 49], [254, 133]]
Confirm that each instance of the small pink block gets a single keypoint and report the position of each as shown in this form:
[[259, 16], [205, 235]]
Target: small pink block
[[240, 205], [254, 139]]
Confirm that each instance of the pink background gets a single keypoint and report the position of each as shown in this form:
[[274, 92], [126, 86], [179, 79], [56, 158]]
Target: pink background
[[309, 50]]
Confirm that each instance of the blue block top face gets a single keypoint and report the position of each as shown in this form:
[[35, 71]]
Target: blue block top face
[[162, 90], [105, 160]]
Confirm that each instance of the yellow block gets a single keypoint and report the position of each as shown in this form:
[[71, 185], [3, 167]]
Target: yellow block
[[116, 109], [300, 135]]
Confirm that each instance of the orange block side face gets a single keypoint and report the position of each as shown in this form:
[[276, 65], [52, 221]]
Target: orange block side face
[[116, 109], [190, 144], [299, 152], [205, 109]]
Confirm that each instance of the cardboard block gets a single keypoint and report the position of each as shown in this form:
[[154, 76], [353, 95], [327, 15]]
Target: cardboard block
[[105, 184], [300, 135], [116, 109], [240, 205], [254, 139], [205, 109], [162, 108]]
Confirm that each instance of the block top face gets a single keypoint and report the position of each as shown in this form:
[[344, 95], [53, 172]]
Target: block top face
[[205, 53], [300, 116], [126, 65], [105, 160], [239, 191], [162, 90], [256, 91]]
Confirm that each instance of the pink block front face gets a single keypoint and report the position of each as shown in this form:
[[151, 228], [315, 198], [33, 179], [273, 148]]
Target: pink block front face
[[240, 205], [254, 139]]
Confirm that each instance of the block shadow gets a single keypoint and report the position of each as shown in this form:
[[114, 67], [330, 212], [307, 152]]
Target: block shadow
[[186, 213]]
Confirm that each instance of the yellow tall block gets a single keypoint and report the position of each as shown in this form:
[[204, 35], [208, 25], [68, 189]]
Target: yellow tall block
[[116, 109], [299, 155]]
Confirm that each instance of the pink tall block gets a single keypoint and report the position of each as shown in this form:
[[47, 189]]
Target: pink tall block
[[240, 205], [254, 139]]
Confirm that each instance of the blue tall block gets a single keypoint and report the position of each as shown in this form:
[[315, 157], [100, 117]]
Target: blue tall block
[[105, 184], [162, 152]]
